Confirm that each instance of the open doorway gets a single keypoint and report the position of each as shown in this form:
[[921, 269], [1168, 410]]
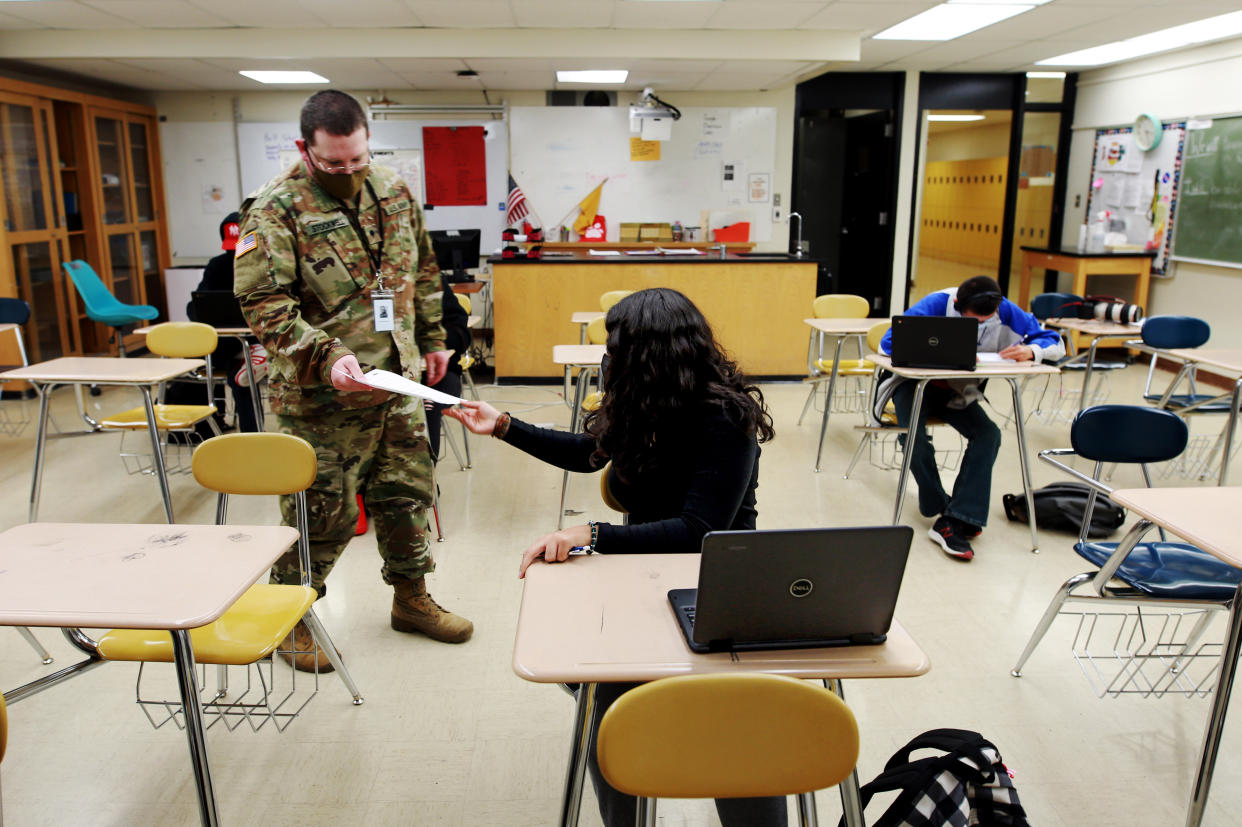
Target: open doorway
[[962, 204]]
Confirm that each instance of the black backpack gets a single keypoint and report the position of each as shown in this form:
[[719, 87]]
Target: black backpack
[[1060, 506], [966, 785]]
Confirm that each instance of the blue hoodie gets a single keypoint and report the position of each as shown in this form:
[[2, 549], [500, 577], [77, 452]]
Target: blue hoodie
[[1009, 325]]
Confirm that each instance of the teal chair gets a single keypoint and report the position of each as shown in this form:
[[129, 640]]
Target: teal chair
[[102, 306]]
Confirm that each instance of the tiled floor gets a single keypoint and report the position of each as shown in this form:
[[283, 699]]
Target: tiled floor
[[450, 736]]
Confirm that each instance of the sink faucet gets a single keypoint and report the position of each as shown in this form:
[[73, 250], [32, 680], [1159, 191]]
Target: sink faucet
[[798, 238]]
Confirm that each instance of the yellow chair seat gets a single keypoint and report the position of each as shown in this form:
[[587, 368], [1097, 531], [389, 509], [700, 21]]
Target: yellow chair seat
[[167, 417], [251, 629], [847, 367], [593, 401]]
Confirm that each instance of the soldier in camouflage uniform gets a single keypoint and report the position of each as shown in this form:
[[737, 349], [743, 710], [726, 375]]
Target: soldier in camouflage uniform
[[320, 244]]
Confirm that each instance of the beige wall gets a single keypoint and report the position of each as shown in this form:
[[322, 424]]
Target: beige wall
[[1192, 83]]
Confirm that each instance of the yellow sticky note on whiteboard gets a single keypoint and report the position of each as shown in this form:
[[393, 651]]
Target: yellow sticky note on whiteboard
[[641, 150]]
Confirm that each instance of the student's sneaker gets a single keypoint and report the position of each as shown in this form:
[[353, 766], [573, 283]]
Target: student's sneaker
[[258, 359], [947, 532]]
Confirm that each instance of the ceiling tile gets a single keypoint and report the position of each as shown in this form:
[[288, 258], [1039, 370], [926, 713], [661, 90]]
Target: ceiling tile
[[742, 81], [66, 14], [159, 14], [867, 18], [883, 51], [778, 14], [540, 64], [638, 15], [1050, 21], [8, 21], [403, 65], [568, 14], [528, 79], [362, 14], [273, 14], [111, 71], [461, 14]]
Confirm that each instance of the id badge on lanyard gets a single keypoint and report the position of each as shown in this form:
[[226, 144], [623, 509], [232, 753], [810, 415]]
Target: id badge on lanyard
[[382, 308]]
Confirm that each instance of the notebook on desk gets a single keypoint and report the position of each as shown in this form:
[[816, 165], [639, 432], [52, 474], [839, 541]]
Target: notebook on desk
[[936, 342], [793, 588]]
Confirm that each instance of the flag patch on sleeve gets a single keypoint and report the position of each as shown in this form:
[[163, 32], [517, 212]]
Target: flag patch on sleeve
[[245, 244]]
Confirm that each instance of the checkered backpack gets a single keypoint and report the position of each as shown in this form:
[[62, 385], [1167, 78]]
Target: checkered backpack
[[966, 786]]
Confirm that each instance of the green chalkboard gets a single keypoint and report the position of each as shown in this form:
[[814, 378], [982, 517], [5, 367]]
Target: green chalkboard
[[1209, 204]]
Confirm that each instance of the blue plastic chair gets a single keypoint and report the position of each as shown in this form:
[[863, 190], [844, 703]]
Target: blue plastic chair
[[1173, 332], [1131, 571], [102, 306]]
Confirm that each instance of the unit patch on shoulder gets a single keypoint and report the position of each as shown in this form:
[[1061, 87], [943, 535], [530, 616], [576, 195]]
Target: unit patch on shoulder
[[245, 244]]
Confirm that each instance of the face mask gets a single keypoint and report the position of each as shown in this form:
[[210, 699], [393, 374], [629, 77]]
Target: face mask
[[344, 186]]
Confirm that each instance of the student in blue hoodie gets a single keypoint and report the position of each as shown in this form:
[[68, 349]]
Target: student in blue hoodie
[[1004, 328]]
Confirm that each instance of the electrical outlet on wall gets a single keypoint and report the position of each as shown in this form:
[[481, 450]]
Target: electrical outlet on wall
[[777, 215]]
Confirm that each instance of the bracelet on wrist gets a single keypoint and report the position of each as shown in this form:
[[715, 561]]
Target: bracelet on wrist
[[502, 425], [594, 536]]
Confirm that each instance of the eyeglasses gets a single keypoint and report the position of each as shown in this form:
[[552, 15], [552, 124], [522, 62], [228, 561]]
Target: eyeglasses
[[342, 169]]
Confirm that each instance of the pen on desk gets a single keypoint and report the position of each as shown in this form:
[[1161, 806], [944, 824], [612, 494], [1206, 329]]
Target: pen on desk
[[580, 550]]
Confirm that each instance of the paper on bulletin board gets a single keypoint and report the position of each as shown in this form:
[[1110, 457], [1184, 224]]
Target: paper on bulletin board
[[641, 150], [733, 176], [1117, 153], [456, 166], [408, 163]]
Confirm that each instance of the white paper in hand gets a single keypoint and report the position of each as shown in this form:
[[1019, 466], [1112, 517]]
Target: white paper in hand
[[386, 380]]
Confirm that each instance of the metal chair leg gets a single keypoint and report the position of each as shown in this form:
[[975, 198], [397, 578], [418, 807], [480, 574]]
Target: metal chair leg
[[324, 642], [862, 443], [1054, 608], [807, 404], [452, 443], [43, 654]]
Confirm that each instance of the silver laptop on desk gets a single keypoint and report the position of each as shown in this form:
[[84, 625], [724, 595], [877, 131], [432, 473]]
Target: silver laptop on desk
[[793, 588]]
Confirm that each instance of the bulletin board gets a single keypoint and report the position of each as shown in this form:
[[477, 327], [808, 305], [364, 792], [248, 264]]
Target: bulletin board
[[1140, 188], [267, 148], [718, 166]]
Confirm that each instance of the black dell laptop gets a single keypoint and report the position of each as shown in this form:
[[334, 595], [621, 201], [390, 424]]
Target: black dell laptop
[[937, 342], [793, 588]]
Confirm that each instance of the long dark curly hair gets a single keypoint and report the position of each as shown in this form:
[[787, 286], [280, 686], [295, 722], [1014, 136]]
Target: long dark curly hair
[[664, 364]]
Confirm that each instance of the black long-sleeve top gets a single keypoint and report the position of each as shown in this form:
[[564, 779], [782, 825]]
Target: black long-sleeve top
[[702, 480]]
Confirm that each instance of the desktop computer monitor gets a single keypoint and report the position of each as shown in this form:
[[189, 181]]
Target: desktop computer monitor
[[457, 252]]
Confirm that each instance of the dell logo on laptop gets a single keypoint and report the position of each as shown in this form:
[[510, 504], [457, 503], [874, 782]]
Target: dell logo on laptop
[[801, 587], [933, 341]]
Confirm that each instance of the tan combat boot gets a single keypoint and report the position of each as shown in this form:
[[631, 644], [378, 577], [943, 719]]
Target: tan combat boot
[[307, 657], [413, 610]]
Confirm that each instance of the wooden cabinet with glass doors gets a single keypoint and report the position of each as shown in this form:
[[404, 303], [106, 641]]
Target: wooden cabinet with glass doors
[[80, 177]]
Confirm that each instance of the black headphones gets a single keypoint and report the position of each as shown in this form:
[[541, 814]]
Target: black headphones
[[976, 299]]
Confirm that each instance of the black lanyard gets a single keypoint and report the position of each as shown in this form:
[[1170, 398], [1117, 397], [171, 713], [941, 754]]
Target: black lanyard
[[377, 255]]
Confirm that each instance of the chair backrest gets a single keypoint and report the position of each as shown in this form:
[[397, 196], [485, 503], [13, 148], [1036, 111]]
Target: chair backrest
[[607, 300], [255, 463], [1055, 305], [605, 490], [727, 735], [14, 311], [876, 333], [95, 295], [840, 306], [597, 332], [1175, 331], [1128, 433], [464, 301], [182, 340]]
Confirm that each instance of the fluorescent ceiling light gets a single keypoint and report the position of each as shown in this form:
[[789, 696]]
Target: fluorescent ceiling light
[[1053, 75], [952, 20], [1199, 31], [955, 117], [263, 76], [592, 76]]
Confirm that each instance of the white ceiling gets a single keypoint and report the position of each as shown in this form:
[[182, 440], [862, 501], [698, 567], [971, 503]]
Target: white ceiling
[[737, 45]]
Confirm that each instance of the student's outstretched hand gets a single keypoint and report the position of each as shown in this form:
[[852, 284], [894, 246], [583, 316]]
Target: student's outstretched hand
[[479, 417], [555, 547]]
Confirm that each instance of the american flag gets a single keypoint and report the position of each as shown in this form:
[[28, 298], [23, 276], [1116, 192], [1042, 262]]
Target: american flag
[[516, 209]]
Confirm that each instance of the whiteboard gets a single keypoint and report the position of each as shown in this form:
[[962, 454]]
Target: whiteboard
[[559, 154], [200, 185], [261, 146]]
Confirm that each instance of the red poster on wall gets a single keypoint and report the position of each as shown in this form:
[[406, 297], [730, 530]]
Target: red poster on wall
[[455, 166]]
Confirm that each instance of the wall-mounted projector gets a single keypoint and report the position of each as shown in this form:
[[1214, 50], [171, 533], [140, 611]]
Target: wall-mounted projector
[[652, 118]]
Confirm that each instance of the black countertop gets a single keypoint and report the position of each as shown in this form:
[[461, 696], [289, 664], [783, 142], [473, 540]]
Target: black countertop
[[1074, 252]]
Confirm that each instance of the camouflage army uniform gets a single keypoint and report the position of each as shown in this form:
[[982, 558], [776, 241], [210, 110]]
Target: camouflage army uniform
[[304, 280]]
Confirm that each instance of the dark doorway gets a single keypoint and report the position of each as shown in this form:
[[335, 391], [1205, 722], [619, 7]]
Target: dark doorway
[[845, 173]]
